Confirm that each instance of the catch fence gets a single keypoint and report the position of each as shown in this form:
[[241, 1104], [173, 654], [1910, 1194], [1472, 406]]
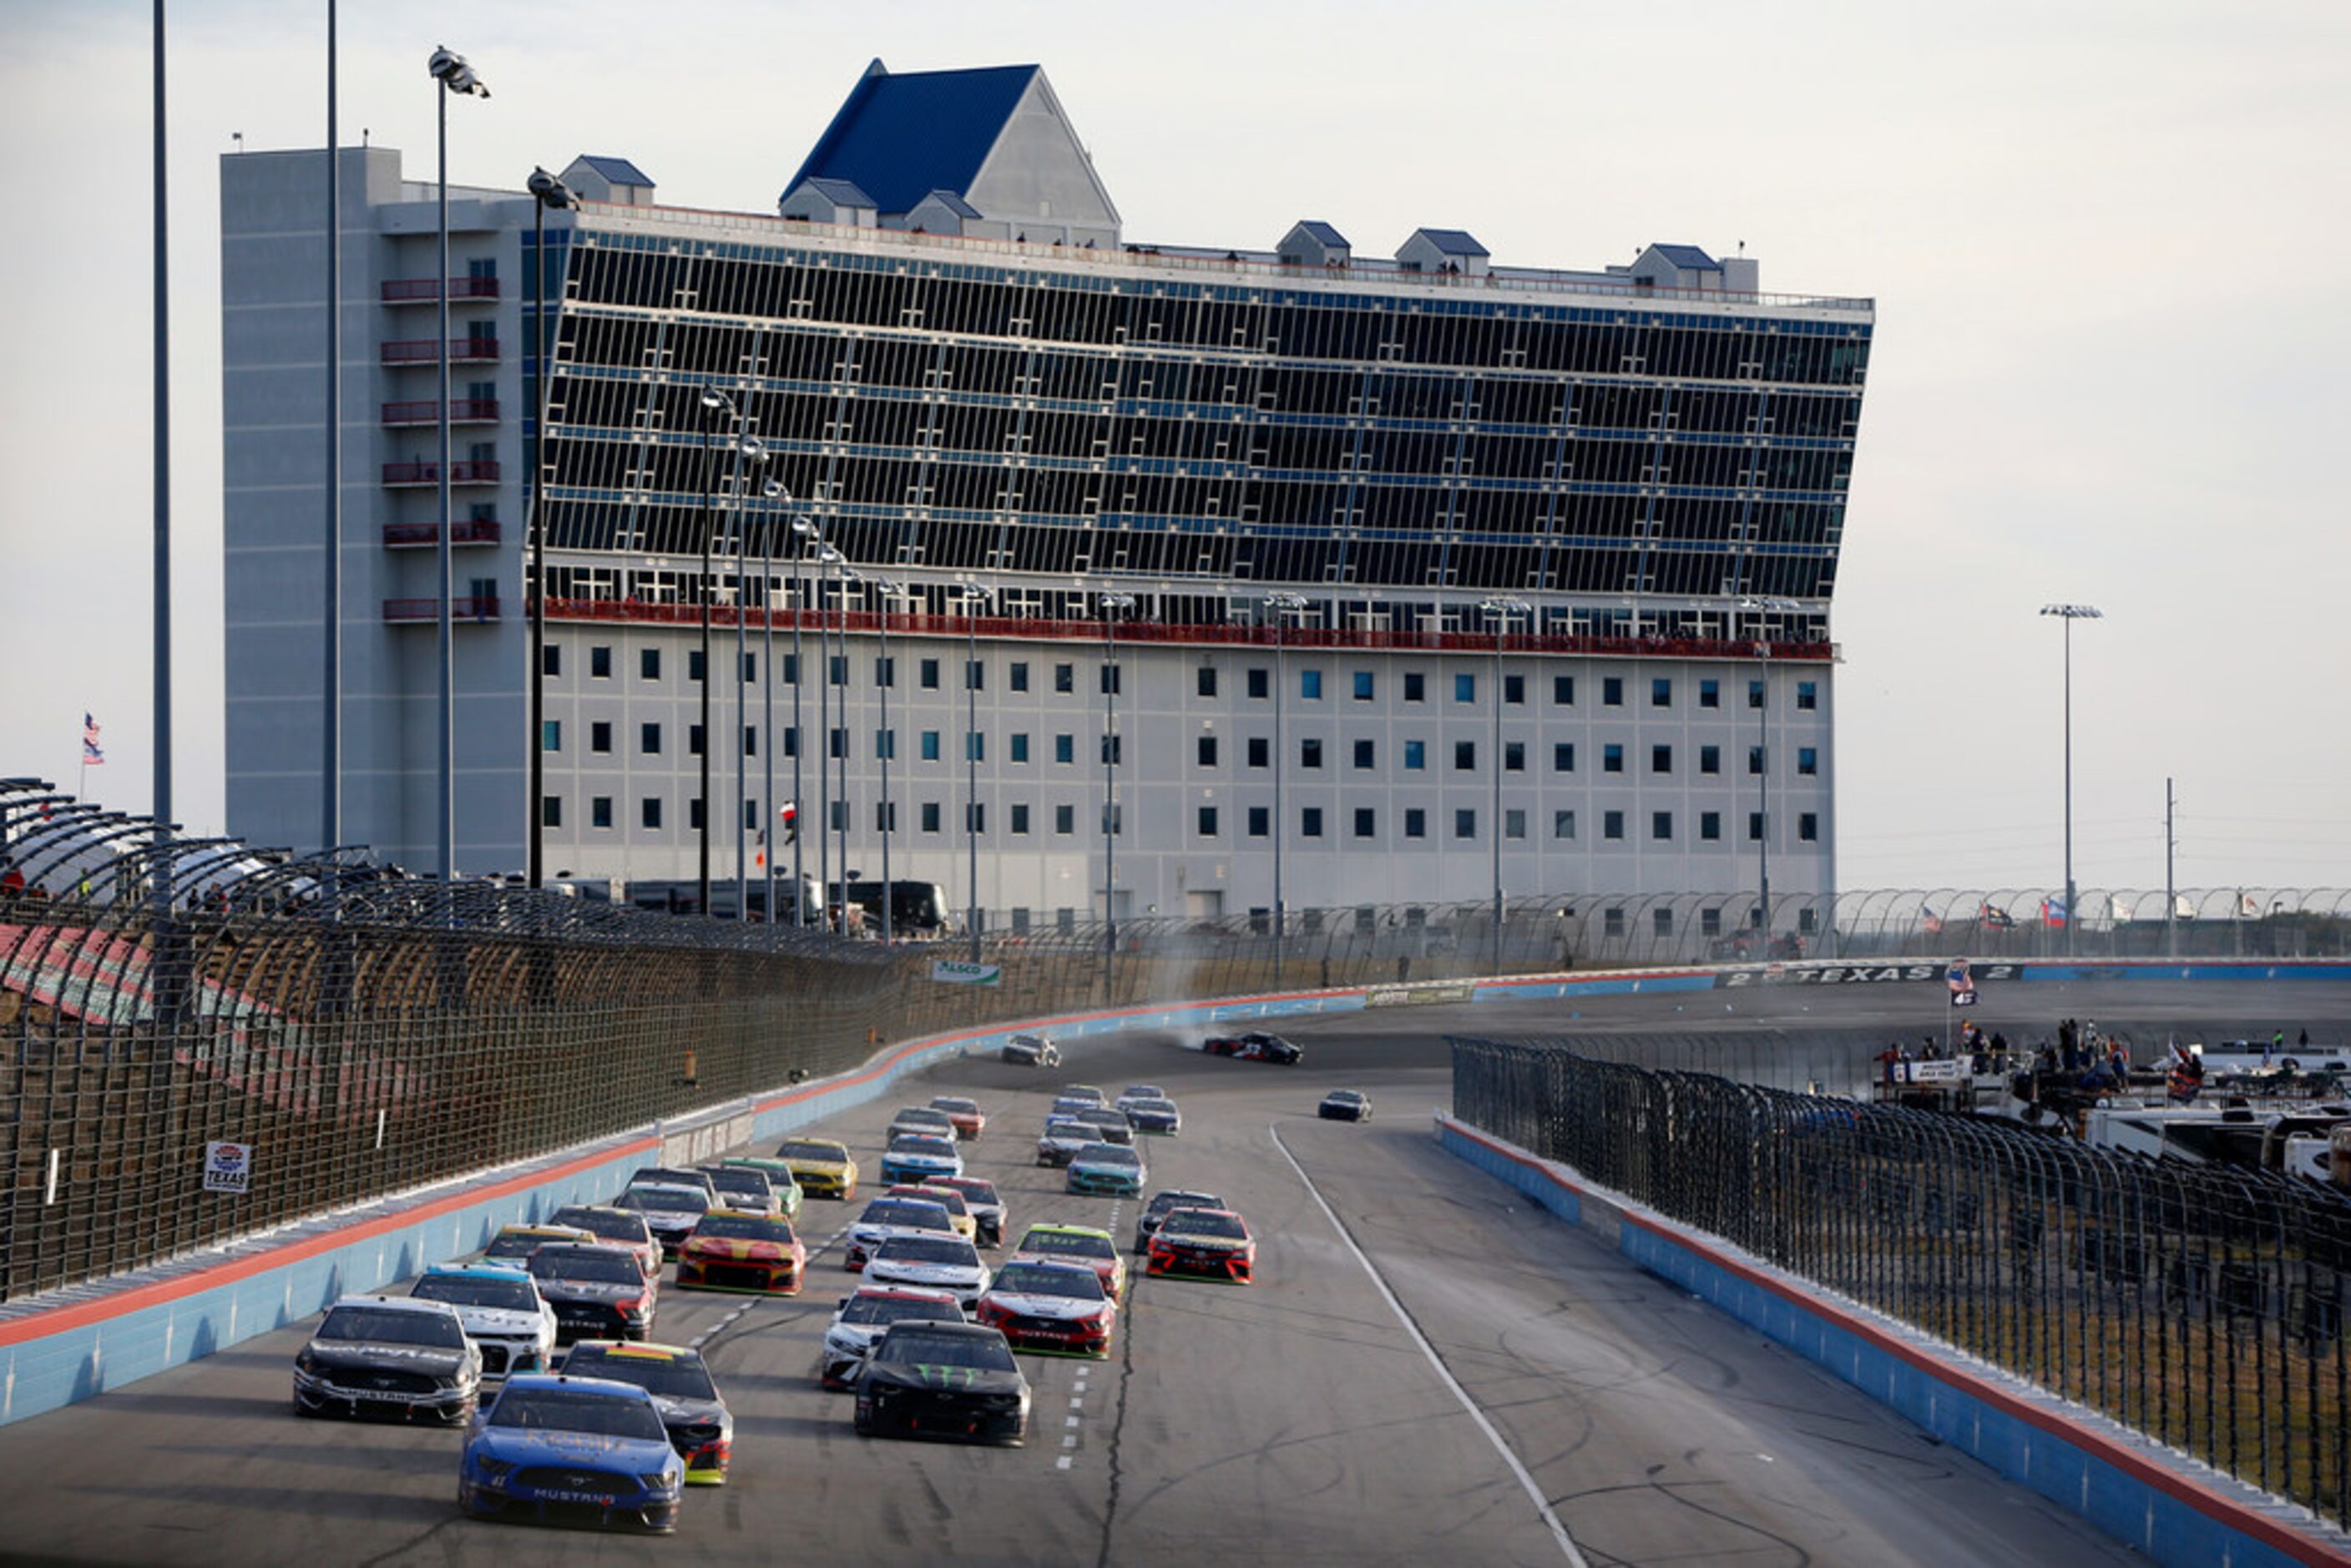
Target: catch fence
[[2200, 1305]]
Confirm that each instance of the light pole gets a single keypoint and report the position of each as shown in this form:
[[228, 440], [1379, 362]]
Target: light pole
[[884, 677], [712, 401], [331, 762], [1283, 606], [1500, 608], [1112, 605], [1764, 604], [842, 577], [2069, 613], [747, 450], [455, 77], [976, 598], [804, 536], [771, 492], [548, 192]]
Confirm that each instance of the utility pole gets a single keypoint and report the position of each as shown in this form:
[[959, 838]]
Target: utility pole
[[2170, 855]]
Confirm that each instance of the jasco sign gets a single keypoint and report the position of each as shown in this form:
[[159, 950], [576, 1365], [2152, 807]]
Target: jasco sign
[[956, 972], [1926, 972]]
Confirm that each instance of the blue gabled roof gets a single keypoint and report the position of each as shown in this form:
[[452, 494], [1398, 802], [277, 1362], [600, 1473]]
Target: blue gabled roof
[[1454, 242], [1324, 233], [1689, 257], [840, 193], [902, 137], [619, 171]]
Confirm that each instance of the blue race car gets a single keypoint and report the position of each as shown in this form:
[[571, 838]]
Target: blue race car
[[913, 1155], [572, 1450]]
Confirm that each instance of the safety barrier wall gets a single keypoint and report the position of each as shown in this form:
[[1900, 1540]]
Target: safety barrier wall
[[2153, 1499]]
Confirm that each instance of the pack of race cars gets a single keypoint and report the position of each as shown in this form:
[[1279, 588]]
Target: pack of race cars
[[542, 1349]]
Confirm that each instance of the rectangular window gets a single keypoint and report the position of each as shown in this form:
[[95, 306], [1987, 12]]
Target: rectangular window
[[1754, 827], [975, 746], [792, 669], [1808, 759], [1612, 691], [1612, 759], [1808, 826], [751, 741], [1309, 752], [1661, 692], [694, 816], [1465, 688], [751, 814], [836, 670], [1514, 823], [750, 668], [885, 816], [927, 672], [1754, 759], [1415, 822], [1661, 824], [1710, 693], [1310, 685], [791, 740], [1065, 820], [1563, 756], [1709, 759], [1365, 752], [1563, 824], [694, 740], [649, 811], [1709, 826], [1366, 823], [1465, 824], [1019, 746], [1205, 822], [1310, 822], [550, 811], [1514, 690], [1018, 677], [930, 815], [1808, 694], [694, 664], [1205, 680], [1258, 823], [1661, 759], [600, 811], [1514, 756], [1416, 755], [1065, 748], [1364, 685], [1562, 690], [600, 663], [551, 735], [1261, 684], [1464, 757], [885, 672], [1065, 677], [1754, 694], [649, 739], [1661, 920], [649, 664], [930, 745], [1113, 747], [975, 816], [1260, 751], [1612, 825], [1021, 818], [974, 674], [1108, 680], [838, 814], [836, 743], [550, 659], [1204, 750], [885, 743], [1416, 687]]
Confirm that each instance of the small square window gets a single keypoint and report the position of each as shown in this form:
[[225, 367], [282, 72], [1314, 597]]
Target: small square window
[[599, 736], [694, 740], [885, 743], [694, 816], [1563, 690], [1021, 818], [1661, 825], [1464, 757], [1310, 822], [836, 670], [1415, 822], [1065, 677], [1754, 759], [1364, 685], [1260, 751], [1019, 746], [885, 672], [1808, 694], [1016, 677], [1416, 687], [600, 663], [1259, 684], [1309, 752], [1808, 826], [1754, 827], [649, 811], [550, 659], [649, 664], [1258, 823], [1310, 684], [1612, 825], [1366, 823], [1563, 824], [885, 816], [928, 673], [1465, 688], [1205, 823], [1709, 759], [930, 817], [1107, 680], [551, 735], [600, 811], [1204, 750], [1661, 692], [1065, 748], [930, 744], [1710, 693], [1661, 759], [1113, 750], [1612, 757], [649, 739], [1206, 679], [1754, 694], [1563, 756], [974, 674], [550, 811], [751, 741], [1514, 823], [1514, 756], [1365, 751], [1465, 824], [1612, 691], [1709, 826], [1514, 690], [694, 664], [1065, 821], [1808, 759], [1416, 755], [975, 816], [975, 746]]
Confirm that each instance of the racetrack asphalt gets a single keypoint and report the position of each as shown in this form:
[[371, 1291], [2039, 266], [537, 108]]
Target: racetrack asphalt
[[1297, 1421]]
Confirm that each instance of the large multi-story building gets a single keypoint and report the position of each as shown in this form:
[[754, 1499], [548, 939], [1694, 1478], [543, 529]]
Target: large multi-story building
[[1386, 578]]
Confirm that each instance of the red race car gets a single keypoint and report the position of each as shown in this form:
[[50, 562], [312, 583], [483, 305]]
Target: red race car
[[1203, 1243]]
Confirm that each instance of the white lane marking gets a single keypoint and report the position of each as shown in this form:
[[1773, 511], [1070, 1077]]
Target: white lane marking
[[1534, 1492], [1063, 1463], [1070, 1442], [1073, 1421]]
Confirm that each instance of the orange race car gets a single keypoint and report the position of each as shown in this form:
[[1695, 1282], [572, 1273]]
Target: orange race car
[[738, 1250], [968, 1119]]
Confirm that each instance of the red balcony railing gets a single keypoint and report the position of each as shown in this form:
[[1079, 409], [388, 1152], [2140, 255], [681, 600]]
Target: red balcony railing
[[407, 610], [462, 411], [479, 472], [463, 531], [427, 350], [410, 290]]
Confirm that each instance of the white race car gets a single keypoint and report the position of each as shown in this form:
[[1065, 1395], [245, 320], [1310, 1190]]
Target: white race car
[[933, 1263], [864, 1317], [502, 1312]]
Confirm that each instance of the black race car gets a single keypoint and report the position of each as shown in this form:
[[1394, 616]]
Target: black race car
[[1256, 1046], [943, 1380], [1346, 1105], [1164, 1202]]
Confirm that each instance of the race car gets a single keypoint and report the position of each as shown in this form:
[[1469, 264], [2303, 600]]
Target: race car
[[822, 1167], [863, 1318], [1110, 1126], [934, 1262], [1075, 1244], [943, 1380], [614, 1227], [1134, 1091], [968, 1120], [1203, 1243], [1158, 1117], [887, 1217], [927, 1119], [1058, 1309], [1106, 1170], [911, 1156], [389, 1356], [572, 1450], [936, 1190], [1031, 1050], [1256, 1046], [740, 1187], [779, 1176], [674, 1176], [598, 1291], [693, 1412], [1346, 1105], [501, 1311], [672, 1208], [1085, 1092], [1162, 1203], [981, 1198], [742, 1250], [515, 1243], [1064, 1137]]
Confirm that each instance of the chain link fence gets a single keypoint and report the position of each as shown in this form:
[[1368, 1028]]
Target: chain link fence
[[2200, 1305]]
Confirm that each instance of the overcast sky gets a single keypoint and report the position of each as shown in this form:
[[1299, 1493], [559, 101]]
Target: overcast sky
[[2108, 243]]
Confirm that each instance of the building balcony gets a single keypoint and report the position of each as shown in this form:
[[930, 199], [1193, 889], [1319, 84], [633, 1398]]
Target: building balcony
[[462, 411], [463, 531], [411, 611], [404, 476], [427, 351], [427, 290]]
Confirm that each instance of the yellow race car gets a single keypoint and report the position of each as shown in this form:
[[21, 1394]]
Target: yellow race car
[[822, 1167]]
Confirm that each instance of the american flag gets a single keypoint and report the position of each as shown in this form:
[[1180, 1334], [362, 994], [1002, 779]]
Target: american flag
[[92, 756]]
